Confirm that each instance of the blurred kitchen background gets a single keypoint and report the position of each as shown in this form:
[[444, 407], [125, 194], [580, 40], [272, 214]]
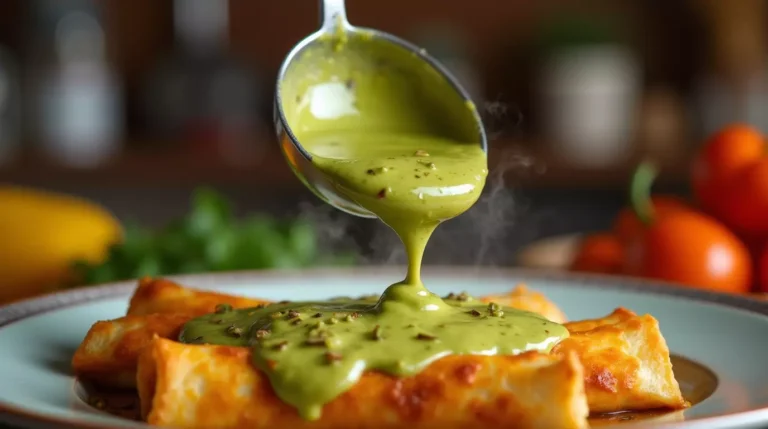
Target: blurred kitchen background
[[134, 104]]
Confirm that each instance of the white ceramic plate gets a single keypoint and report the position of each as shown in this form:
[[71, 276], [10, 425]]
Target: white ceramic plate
[[723, 333]]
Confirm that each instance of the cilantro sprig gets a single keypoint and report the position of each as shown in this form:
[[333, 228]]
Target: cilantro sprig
[[209, 239]]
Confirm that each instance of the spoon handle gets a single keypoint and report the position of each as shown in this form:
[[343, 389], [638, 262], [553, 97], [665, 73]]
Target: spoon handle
[[332, 14]]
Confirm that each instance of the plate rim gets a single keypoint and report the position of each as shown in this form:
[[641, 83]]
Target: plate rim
[[31, 307]]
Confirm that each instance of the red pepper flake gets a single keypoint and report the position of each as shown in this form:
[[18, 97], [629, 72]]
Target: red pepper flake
[[382, 194]]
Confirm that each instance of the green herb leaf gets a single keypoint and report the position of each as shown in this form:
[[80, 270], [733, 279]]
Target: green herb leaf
[[209, 238]]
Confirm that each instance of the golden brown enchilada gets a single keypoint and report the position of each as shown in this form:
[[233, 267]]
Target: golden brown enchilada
[[616, 363]]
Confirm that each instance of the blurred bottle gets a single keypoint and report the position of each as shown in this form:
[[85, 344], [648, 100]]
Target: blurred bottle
[[201, 94], [10, 107], [76, 98], [733, 86], [588, 93]]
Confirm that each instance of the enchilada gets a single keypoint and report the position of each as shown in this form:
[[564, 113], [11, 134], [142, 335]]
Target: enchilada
[[158, 295], [622, 361], [204, 386], [108, 354], [626, 363]]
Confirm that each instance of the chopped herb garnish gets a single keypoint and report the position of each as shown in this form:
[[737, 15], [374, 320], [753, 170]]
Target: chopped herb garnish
[[235, 331], [317, 332], [458, 297], [315, 341], [495, 310], [428, 164], [333, 357], [262, 333], [222, 308], [376, 333]]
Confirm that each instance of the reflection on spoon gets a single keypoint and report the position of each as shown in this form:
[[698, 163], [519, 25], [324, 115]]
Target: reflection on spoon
[[330, 100], [445, 191]]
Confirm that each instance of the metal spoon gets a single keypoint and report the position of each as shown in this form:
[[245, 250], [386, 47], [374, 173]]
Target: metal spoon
[[338, 44]]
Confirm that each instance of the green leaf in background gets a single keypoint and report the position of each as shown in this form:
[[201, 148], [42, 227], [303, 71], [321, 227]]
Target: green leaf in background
[[209, 238], [302, 241], [210, 212]]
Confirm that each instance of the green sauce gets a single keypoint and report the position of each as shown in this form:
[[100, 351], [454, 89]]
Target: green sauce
[[411, 182], [314, 351], [414, 169]]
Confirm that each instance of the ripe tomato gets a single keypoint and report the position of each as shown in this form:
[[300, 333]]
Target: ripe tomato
[[762, 268], [719, 160], [745, 204], [627, 225], [599, 253], [691, 249]]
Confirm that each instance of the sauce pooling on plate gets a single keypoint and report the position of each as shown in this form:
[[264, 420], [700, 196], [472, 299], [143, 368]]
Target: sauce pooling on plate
[[397, 165]]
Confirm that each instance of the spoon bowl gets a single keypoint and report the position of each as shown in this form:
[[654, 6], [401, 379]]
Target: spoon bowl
[[344, 77]]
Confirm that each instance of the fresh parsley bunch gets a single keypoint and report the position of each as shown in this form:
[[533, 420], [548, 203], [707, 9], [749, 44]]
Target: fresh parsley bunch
[[210, 239]]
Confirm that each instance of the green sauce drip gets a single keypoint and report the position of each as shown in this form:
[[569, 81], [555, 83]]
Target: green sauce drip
[[314, 351], [413, 168]]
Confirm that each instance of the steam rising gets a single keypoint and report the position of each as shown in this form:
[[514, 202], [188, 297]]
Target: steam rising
[[481, 236]]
